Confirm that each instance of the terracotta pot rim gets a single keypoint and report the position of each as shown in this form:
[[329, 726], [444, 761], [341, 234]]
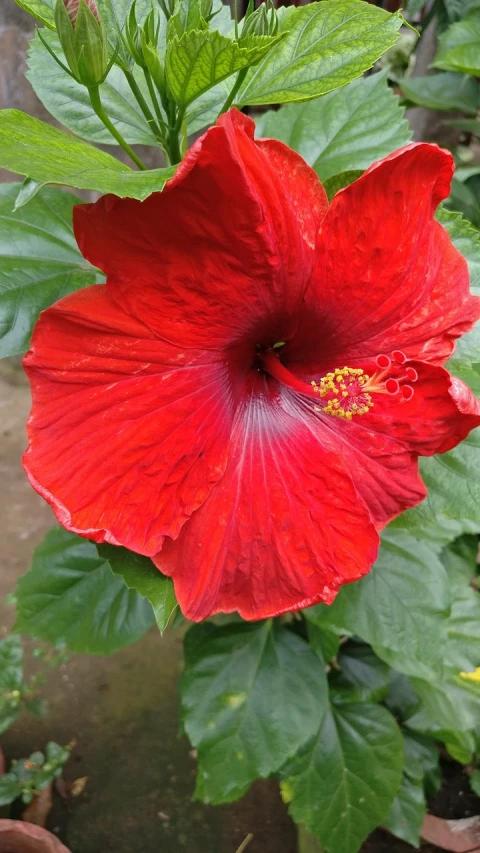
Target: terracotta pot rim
[[21, 831], [456, 836]]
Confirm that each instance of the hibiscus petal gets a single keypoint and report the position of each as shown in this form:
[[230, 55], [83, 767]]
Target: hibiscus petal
[[127, 434], [387, 275], [381, 448], [284, 527], [227, 247]]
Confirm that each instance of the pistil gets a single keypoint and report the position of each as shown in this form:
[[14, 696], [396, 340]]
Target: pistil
[[347, 391]]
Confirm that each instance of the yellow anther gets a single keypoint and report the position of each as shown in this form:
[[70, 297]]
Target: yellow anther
[[343, 392]]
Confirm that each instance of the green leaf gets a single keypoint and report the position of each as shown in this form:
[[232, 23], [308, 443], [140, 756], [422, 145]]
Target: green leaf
[[338, 182], [327, 45], [141, 574], [11, 680], [401, 700], [453, 501], [460, 745], [26, 192], [347, 129], [40, 262], [400, 607], [459, 46], [69, 103], [200, 59], [475, 782], [252, 694], [444, 91], [39, 9], [71, 595], [363, 677], [469, 125], [464, 198], [10, 788], [407, 812], [188, 15], [444, 705], [50, 156], [342, 784], [463, 648], [421, 755], [460, 558], [325, 643], [467, 240]]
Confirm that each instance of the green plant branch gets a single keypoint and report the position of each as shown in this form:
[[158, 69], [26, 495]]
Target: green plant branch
[[96, 103], [228, 103], [159, 136], [153, 96], [245, 842], [173, 141]]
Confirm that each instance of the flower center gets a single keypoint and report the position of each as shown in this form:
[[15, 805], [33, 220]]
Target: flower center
[[349, 391]]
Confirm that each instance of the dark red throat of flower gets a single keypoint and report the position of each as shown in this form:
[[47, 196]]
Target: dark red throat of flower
[[348, 391]]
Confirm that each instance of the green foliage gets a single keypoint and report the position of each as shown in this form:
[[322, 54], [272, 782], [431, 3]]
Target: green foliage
[[444, 705], [69, 103], [444, 91], [39, 261], [188, 15], [70, 594], [400, 607], [251, 695], [341, 785], [200, 59], [363, 677], [39, 9], [327, 45], [28, 776], [346, 130], [338, 182], [421, 762], [11, 680], [407, 811], [141, 574], [50, 156], [459, 46], [463, 648], [475, 782], [452, 505]]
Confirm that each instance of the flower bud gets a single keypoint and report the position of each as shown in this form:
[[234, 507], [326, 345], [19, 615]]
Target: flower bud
[[83, 39], [262, 22], [72, 7]]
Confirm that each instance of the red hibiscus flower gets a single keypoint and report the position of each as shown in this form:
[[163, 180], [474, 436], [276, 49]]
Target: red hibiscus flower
[[246, 398]]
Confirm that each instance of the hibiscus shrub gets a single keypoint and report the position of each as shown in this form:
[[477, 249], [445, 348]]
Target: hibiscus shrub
[[237, 362]]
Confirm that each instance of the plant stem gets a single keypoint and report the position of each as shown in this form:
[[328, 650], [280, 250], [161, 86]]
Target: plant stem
[[156, 105], [235, 15], [173, 143], [96, 103], [144, 106], [228, 103], [245, 842]]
